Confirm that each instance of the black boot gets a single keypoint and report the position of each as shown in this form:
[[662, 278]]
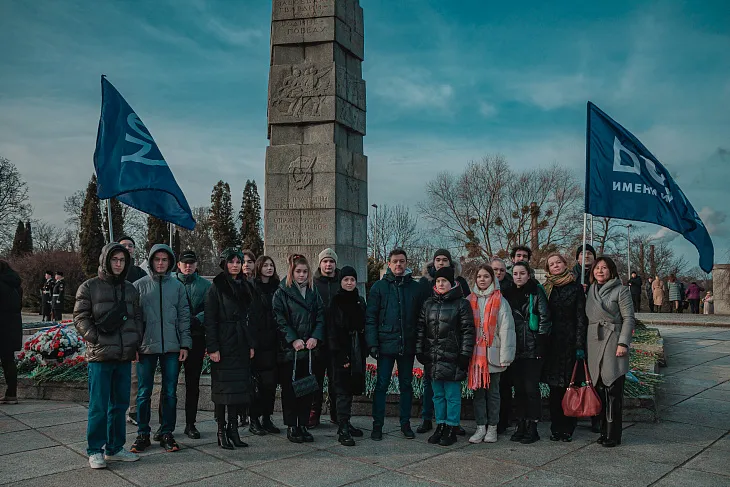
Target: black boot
[[223, 437], [306, 435], [344, 436], [256, 428], [614, 413], [293, 435], [436, 436], [355, 432], [449, 436], [520, 431], [192, 432], [424, 427], [268, 425], [531, 435], [460, 431], [233, 435]]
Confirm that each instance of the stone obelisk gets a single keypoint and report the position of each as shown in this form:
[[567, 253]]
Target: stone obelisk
[[316, 173]]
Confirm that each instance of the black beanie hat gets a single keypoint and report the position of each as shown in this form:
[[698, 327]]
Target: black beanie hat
[[445, 253], [447, 273], [589, 248], [126, 237], [348, 271]]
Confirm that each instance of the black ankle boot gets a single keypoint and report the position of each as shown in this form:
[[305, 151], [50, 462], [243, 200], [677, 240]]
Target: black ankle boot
[[223, 437], [233, 435], [293, 435], [520, 431], [424, 427], [256, 428], [268, 425], [531, 435], [449, 436], [436, 436], [355, 432], [344, 436]]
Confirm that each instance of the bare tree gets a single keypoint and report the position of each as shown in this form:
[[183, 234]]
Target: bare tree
[[14, 200], [395, 227], [201, 241], [49, 238]]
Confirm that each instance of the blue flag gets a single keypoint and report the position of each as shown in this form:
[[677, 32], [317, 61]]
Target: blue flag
[[624, 180], [129, 165]]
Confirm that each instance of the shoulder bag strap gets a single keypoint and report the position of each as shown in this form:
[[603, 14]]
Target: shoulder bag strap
[[310, 362], [294, 370]]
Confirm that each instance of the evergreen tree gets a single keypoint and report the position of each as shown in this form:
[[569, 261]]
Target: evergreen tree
[[18, 248], [157, 232], [91, 238], [117, 220], [28, 240], [250, 216], [221, 215]]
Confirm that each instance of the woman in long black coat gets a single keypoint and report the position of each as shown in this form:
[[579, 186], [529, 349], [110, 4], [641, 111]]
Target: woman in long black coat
[[11, 328], [265, 282], [567, 342], [230, 344]]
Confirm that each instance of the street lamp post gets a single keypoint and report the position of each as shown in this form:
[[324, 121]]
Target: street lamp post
[[375, 232]]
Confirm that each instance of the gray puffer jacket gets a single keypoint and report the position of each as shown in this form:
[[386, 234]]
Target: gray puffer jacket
[[95, 298], [165, 309]]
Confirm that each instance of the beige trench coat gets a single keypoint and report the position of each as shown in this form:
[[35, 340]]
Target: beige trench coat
[[657, 289]]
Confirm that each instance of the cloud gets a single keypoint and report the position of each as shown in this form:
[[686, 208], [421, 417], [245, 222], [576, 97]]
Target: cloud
[[488, 110], [414, 91], [550, 92], [714, 221]]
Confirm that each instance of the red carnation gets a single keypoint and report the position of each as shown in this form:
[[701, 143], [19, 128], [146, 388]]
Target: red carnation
[[60, 354], [32, 359]]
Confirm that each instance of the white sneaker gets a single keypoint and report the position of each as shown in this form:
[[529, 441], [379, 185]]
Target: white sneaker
[[122, 456], [479, 435], [491, 436], [97, 461]]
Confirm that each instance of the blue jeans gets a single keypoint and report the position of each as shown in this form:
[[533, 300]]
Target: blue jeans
[[405, 381], [447, 402], [427, 399], [146, 378], [109, 384]]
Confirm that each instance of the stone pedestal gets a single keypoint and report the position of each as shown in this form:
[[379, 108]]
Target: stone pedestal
[[316, 173], [721, 288]]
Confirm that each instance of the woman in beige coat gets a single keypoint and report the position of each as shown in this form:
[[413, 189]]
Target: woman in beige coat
[[610, 313], [657, 289]]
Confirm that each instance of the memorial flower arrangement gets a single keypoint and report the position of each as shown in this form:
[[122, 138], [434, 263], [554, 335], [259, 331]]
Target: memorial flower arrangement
[[52, 345]]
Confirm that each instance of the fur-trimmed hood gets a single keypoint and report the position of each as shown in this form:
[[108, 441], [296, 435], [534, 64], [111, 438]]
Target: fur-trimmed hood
[[429, 271]]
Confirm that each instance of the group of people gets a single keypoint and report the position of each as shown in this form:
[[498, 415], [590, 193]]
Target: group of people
[[678, 296], [496, 331], [53, 293]]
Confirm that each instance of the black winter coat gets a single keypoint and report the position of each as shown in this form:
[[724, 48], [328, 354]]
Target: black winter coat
[[506, 284], [297, 318], [446, 331], [635, 284], [327, 288], [135, 273], [346, 336], [94, 299], [392, 313], [530, 344], [568, 316], [264, 327], [228, 306], [11, 320]]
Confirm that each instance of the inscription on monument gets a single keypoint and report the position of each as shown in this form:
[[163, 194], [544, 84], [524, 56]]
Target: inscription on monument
[[302, 8]]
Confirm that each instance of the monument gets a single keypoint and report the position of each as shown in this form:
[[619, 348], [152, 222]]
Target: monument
[[316, 173]]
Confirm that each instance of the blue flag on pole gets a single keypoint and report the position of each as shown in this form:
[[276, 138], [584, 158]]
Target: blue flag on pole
[[129, 165], [624, 180]]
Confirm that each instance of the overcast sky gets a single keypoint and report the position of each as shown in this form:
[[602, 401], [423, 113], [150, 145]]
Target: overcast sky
[[447, 82]]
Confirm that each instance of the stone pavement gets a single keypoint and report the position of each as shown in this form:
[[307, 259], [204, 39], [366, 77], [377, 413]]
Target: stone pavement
[[42, 442], [684, 319]]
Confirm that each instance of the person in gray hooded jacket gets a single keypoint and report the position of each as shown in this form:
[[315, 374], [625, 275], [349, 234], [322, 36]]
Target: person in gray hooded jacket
[[166, 318]]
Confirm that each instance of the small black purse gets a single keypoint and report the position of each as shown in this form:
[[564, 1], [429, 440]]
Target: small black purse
[[305, 385], [115, 318]]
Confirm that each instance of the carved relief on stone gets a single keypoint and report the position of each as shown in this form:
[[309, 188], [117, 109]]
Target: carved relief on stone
[[302, 92], [301, 170]]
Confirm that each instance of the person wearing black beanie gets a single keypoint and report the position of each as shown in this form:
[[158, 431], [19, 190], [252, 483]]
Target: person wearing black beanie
[[446, 273], [580, 271]]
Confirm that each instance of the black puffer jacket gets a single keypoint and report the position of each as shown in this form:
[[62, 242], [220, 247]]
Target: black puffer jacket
[[446, 331], [264, 327], [392, 314], [298, 318], [11, 320], [347, 338], [228, 306], [568, 317], [327, 288], [95, 298], [530, 344]]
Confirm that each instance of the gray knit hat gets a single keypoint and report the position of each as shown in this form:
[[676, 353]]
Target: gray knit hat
[[328, 252]]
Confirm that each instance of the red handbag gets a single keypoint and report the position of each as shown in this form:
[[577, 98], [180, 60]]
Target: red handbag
[[582, 401]]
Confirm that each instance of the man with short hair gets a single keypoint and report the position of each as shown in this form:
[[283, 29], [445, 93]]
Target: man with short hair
[[196, 289], [441, 258], [166, 315], [327, 281], [521, 253], [58, 297], [47, 296], [578, 269], [390, 332], [635, 284]]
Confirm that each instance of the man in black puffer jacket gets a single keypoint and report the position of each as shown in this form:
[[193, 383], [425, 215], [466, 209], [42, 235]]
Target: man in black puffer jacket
[[108, 316], [444, 345]]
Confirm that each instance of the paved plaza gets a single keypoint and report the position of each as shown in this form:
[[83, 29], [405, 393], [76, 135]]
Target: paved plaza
[[43, 443]]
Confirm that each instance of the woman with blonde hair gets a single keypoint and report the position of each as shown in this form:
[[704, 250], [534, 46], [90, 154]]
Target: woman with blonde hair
[[299, 315]]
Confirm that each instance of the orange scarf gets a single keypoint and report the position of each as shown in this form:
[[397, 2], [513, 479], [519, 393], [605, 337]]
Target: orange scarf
[[479, 366]]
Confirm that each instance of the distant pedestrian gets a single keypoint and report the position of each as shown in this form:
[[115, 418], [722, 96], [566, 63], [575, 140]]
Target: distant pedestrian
[[635, 286], [58, 298], [675, 294], [47, 296], [657, 288], [694, 294], [650, 293], [11, 328], [708, 304]]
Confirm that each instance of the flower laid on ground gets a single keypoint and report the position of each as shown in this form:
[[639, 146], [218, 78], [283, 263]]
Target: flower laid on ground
[[51, 346]]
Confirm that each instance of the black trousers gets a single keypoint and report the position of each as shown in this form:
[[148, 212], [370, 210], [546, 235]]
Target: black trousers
[[526, 376], [325, 364], [10, 370], [694, 305], [651, 306], [344, 396], [193, 369], [559, 422], [612, 400], [264, 404], [636, 299], [505, 399], [295, 410], [220, 414]]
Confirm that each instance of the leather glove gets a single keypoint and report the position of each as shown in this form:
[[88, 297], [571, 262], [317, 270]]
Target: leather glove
[[374, 352], [463, 361], [580, 354]]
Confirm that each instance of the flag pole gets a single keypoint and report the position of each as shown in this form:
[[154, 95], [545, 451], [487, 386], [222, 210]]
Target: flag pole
[[171, 232], [583, 253], [592, 237], [109, 218]]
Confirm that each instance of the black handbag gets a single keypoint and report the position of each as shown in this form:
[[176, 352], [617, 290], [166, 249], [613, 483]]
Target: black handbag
[[305, 385], [115, 318]]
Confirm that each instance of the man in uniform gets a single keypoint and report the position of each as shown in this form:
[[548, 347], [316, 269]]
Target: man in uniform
[[59, 293], [46, 296]]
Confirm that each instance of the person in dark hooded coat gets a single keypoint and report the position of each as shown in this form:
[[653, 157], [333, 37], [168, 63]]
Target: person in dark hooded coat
[[231, 344], [11, 328]]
